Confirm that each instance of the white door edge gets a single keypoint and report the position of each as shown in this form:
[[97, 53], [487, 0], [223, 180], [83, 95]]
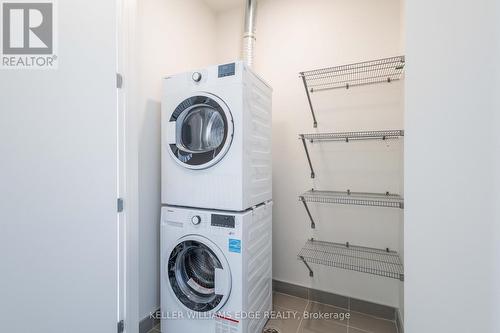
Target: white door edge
[[128, 226]]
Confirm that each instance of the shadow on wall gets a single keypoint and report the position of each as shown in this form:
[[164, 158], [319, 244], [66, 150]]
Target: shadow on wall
[[150, 198], [150, 160]]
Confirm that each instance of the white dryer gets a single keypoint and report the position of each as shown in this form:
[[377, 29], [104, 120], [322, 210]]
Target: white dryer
[[216, 138], [216, 270]]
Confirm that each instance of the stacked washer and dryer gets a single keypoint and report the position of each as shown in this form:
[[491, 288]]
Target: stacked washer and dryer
[[216, 222]]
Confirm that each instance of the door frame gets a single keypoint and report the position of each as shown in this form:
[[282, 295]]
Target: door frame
[[128, 219]]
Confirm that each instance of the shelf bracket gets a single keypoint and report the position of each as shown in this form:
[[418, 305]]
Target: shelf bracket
[[313, 225], [311, 273], [307, 154], [315, 124]]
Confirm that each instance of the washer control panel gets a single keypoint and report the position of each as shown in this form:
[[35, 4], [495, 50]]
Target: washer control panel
[[224, 221]]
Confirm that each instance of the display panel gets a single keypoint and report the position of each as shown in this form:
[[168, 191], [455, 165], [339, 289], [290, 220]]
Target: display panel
[[225, 221], [227, 70]]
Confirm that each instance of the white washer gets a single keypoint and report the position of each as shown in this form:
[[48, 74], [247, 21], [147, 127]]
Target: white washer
[[216, 270], [216, 138]]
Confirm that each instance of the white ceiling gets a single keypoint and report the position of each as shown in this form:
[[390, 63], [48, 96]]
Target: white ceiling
[[220, 5]]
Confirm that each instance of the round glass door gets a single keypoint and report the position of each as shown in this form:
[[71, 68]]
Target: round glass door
[[194, 270], [203, 131]]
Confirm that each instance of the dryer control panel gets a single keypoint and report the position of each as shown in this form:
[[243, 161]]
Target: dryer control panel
[[227, 70]]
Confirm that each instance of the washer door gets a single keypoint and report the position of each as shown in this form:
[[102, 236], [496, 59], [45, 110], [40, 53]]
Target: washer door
[[199, 274], [200, 131]]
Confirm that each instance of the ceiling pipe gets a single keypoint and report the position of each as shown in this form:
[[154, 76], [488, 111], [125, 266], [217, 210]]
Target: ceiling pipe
[[249, 34]]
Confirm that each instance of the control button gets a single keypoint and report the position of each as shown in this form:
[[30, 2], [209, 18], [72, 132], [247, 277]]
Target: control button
[[196, 220], [196, 76]]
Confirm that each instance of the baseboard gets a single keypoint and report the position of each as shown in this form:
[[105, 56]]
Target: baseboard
[[399, 322], [147, 323], [374, 309]]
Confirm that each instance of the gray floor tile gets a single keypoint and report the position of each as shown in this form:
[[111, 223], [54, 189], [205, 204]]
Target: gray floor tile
[[354, 330], [154, 330], [321, 326], [289, 302], [371, 324], [287, 312], [284, 324], [318, 311]]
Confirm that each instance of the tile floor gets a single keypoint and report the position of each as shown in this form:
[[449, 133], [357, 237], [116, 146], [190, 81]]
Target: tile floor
[[155, 329], [289, 318]]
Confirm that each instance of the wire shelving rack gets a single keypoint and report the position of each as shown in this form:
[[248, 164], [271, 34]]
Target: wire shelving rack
[[387, 200], [386, 263], [346, 137], [352, 75], [379, 262]]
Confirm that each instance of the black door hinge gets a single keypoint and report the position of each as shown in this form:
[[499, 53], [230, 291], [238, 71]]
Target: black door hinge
[[121, 326], [119, 81], [119, 204]]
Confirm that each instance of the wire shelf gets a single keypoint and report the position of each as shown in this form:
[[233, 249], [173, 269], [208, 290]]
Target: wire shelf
[[346, 137], [357, 74], [354, 198], [347, 76], [351, 136], [379, 262]]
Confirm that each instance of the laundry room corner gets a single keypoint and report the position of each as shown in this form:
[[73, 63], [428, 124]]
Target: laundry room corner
[[293, 36]]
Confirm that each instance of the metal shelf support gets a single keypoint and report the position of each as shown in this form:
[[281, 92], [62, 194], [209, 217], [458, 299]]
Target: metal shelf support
[[311, 273], [315, 123], [302, 137], [313, 225]]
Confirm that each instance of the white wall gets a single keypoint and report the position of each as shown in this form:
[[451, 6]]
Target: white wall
[[297, 35], [229, 34], [452, 155], [58, 182], [174, 36]]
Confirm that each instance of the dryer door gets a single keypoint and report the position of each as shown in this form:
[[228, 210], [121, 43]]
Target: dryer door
[[200, 131], [199, 274]]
